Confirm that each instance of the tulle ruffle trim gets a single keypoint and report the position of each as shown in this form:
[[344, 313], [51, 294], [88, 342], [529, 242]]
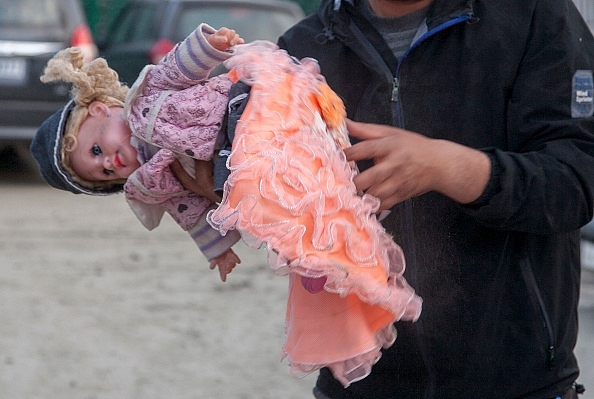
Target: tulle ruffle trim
[[340, 237], [291, 190]]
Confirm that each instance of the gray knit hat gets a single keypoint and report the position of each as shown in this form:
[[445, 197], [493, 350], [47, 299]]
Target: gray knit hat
[[45, 148]]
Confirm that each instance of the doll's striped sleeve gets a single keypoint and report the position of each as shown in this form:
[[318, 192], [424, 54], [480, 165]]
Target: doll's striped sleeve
[[195, 57], [209, 240]]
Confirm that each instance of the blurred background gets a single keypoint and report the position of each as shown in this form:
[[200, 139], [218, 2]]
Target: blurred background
[[93, 306], [129, 34], [102, 13]]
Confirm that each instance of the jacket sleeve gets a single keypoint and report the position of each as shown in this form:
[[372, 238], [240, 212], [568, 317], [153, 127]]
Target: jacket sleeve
[[153, 189], [238, 99], [544, 182]]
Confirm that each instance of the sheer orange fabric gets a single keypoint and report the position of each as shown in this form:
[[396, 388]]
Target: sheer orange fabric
[[291, 190]]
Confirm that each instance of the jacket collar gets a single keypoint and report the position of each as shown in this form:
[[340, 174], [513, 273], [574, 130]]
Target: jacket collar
[[439, 12]]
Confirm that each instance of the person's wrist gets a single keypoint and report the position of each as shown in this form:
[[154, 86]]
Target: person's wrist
[[461, 172]]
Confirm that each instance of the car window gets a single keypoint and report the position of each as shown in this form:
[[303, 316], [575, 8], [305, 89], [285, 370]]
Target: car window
[[30, 13], [251, 23], [136, 24]]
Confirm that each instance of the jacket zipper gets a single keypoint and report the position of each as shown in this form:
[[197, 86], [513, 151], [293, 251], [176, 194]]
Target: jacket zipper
[[395, 88], [407, 204], [398, 110], [454, 21]]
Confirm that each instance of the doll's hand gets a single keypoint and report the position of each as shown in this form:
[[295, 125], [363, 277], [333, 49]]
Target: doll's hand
[[224, 38], [226, 262]]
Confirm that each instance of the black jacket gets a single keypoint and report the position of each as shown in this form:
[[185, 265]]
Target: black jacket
[[499, 277]]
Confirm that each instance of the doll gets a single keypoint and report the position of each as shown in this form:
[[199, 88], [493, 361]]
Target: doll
[[109, 139]]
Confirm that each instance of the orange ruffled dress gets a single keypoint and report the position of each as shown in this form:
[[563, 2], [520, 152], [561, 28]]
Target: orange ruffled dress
[[291, 189]]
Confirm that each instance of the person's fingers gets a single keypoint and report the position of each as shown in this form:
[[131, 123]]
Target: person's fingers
[[180, 174], [366, 131], [365, 180], [373, 140], [368, 149], [202, 185], [204, 182]]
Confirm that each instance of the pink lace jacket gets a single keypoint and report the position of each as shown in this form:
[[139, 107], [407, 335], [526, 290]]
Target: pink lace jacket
[[174, 111]]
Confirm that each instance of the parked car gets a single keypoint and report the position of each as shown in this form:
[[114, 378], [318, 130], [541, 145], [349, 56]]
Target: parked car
[[586, 8], [31, 32], [146, 30]]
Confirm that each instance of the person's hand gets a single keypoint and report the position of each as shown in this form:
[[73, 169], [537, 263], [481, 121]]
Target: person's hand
[[226, 263], [224, 38], [408, 164], [203, 184]]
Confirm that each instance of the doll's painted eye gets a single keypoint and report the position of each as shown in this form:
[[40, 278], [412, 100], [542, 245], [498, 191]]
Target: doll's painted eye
[[96, 150], [108, 171]]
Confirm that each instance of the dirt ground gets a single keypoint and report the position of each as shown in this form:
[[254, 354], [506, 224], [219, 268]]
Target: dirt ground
[[93, 306]]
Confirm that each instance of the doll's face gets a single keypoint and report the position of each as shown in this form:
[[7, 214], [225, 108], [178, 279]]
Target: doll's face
[[103, 151]]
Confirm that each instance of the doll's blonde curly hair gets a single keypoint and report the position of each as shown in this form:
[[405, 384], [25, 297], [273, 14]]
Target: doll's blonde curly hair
[[91, 81]]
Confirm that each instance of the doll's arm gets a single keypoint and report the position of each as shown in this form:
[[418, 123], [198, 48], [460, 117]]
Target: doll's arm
[[154, 185], [192, 60], [211, 243]]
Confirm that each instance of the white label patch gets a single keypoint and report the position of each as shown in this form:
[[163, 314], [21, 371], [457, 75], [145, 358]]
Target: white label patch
[[582, 96]]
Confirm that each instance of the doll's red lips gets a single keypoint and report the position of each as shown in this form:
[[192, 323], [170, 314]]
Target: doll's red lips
[[117, 162]]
